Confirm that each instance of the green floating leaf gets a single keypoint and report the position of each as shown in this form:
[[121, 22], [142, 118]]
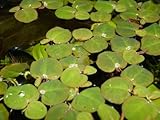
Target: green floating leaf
[[106, 30], [53, 92], [30, 3], [61, 112], [121, 44], [88, 100], [59, 51], [123, 5], [79, 51], [107, 112], [35, 110], [59, 35], [82, 15], [141, 91], [65, 12], [100, 16], [39, 52], [17, 97], [26, 15], [3, 88], [135, 105], [14, 9], [129, 14], [82, 34], [72, 93], [89, 70], [13, 70], [72, 77], [83, 5], [132, 57], [124, 26], [150, 45], [105, 6], [152, 30], [47, 68], [138, 75], [84, 116], [95, 44], [116, 89], [149, 12], [4, 114], [109, 61], [53, 4]]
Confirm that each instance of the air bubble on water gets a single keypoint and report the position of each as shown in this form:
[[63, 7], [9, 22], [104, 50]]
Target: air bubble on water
[[42, 92], [117, 65], [22, 94], [94, 85], [73, 65], [112, 107], [104, 35], [73, 48], [128, 48]]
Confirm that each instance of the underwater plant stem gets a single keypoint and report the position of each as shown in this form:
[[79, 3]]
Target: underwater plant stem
[[122, 116]]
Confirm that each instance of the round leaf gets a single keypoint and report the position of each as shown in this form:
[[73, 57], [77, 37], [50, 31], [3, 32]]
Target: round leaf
[[100, 16], [95, 44], [53, 92], [82, 15], [150, 45], [132, 57], [109, 61], [30, 3], [4, 114], [89, 70], [26, 15], [3, 88], [65, 12], [53, 4], [82, 34], [88, 100], [35, 110], [135, 105], [59, 35], [107, 112], [84, 116], [73, 78], [138, 75], [116, 89], [48, 68]]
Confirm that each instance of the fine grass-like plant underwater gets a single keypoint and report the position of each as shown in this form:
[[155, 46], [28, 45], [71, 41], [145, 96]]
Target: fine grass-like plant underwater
[[108, 71]]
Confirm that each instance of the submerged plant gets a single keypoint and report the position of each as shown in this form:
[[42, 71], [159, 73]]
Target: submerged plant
[[122, 33]]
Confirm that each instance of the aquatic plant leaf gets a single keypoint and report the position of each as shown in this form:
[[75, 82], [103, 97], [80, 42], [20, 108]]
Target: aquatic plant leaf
[[59, 35], [123, 5], [61, 111], [17, 97], [79, 51], [30, 4], [124, 26], [138, 75], [120, 44], [116, 89], [84, 116], [150, 45], [53, 4], [4, 114], [13, 70], [82, 15], [82, 34], [89, 70], [132, 57], [93, 97], [131, 13], [106, 30], [65, 12], [100, 16], [26, 15], [141, 91], [35, 110], [14, 9], [59, 51], [83, 5], [105, 6], [72, 93], [95, 44], [53, 92], [72, 77], [48, 68], [109, 61], [152, 30], [39, 52], [135, 105], [3, 87], [107, 112]]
